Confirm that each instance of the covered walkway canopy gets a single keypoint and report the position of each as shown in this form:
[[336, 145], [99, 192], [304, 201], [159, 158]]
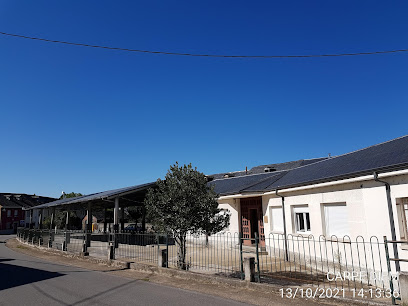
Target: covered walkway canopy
[[129, 196], [122, 197]]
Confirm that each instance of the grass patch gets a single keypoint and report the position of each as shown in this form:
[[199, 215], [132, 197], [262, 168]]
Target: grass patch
[[22, 247]]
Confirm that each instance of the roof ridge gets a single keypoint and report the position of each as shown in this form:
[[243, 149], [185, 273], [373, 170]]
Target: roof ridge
[[315, 158], [282, 174], [265, 165], [292, 161], [263, 180], [287, 170], [279, 178], [236, 177]]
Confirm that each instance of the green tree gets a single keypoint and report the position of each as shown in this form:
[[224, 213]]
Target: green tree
[[184, 203], [71, 195]]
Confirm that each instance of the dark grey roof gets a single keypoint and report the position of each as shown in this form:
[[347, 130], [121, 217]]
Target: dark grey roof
[[261, 169], [236, 184], [387, 156], [21, 200], [286, 166], [265, 184], [57, 202], [104, 195]]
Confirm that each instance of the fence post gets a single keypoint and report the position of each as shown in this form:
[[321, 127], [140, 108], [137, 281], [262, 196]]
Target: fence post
[[40, 239], [116, 235], [249, 267], [50, 239], [162, 260], [240, 254], [257, 256], [84, 245], [111, 250], [387, 255], [88, 238], [158, 245], [403, 280], [167, 250], [67, 239]]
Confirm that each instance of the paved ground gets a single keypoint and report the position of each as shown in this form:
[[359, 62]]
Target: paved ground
[[25, 280], [29, 276]]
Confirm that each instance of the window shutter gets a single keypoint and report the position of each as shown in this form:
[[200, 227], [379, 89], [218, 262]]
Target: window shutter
[[336, 220], [277, 219]]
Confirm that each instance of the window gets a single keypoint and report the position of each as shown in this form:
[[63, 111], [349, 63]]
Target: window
[[336, 220], [276, 219], [9, 213], [301, 219], [402, 206], [15, 213]]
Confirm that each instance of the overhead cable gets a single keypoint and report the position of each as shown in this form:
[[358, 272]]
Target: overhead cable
[[203, 55]]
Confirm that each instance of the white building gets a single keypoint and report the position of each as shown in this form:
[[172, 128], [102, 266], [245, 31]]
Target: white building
[[332, 199]]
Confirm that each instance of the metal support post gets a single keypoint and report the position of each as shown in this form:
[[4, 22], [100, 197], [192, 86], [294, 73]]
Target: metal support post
[[104, 220], [241, 256], [116, 222], [122, 220], [257, 257]]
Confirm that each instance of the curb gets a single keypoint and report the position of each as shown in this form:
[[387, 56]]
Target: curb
[[112, 263]]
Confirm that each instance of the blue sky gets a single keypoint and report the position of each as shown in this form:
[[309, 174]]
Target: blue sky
[[86, 120]]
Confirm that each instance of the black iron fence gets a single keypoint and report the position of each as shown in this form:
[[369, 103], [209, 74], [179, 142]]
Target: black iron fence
[[327, 262]]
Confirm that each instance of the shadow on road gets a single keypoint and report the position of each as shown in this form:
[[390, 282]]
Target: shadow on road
[[14, 276]]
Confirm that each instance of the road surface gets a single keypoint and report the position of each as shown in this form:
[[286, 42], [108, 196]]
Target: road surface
[[26, 280]]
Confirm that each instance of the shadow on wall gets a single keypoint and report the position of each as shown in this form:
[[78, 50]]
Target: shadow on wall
[[18, 276]]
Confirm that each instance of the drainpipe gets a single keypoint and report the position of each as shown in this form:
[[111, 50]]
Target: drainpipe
[[391, 217], [284, 224]]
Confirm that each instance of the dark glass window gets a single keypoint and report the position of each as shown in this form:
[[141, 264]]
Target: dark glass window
[[302, 222]]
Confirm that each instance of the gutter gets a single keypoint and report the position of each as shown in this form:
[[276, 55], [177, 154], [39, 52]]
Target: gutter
[[284, 224], [391, 217]]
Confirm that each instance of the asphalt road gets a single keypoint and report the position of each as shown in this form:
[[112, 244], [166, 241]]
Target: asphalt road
[[26, 280]]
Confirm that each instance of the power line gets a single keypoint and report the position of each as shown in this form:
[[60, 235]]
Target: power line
[[202, 55]]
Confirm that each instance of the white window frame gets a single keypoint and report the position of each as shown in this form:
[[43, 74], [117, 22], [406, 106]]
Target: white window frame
[[325, 221], [304, 211], [402, 209], [273, 230]]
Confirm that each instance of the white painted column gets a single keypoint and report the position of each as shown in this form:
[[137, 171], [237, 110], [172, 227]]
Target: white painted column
[[88, 225], [89, 217], [116, 223]]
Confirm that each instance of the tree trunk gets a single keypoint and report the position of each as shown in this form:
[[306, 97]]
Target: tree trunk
[[181, 252], [206, 240]]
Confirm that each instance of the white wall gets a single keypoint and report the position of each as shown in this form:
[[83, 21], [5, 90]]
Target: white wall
[[366, 204], [234, 208]]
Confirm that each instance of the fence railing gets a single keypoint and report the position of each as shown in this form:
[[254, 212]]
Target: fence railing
[[328, 262]]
